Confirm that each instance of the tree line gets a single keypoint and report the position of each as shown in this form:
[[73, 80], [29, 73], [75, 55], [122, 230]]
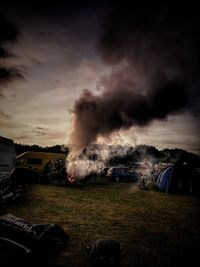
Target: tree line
[[133, 154]]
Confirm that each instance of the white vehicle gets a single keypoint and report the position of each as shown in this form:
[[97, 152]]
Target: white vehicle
[[7, 161]]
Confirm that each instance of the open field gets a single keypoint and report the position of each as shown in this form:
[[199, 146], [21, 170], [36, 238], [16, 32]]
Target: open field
[[154, 229]]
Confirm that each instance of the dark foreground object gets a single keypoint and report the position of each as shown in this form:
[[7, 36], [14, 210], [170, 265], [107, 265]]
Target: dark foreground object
[[105, 253], [22, 242]]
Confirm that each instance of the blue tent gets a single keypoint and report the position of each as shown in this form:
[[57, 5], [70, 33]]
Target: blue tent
[[179, 178], [163, 179]]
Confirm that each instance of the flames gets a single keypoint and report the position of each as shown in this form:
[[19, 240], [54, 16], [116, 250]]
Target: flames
[[71, 178]]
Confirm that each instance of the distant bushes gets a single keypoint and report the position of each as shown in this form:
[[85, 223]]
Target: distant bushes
[[20, 148]]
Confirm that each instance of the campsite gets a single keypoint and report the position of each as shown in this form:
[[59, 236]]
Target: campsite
[[154, 229], [156, 224], [99, 137]]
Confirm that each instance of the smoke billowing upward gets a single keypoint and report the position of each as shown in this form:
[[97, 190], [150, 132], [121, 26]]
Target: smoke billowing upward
[[155, 60]]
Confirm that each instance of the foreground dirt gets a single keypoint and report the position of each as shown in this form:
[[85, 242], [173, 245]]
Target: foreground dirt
[[153, 229]]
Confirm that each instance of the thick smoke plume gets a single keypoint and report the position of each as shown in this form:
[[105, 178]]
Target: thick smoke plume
[[155, 60]]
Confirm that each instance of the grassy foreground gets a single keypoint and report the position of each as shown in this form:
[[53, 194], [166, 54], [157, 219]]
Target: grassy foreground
[[154, 229]]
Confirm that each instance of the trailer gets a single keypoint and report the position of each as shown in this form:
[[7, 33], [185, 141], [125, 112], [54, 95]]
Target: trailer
[[7, 162]]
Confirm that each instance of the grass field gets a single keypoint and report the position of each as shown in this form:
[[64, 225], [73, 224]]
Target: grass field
[[154, 229]]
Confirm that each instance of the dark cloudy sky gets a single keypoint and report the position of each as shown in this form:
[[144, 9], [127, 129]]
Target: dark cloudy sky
[[133, 60]]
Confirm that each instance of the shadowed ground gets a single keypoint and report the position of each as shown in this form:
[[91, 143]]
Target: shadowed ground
[[154, 229]]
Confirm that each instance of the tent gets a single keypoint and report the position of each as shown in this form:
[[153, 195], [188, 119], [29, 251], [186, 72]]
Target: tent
[[179, 178]]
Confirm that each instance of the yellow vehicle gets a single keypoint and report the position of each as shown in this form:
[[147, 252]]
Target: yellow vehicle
[[37, 161]]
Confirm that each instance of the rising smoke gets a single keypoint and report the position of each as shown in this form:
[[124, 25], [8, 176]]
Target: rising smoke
[[154, 54]]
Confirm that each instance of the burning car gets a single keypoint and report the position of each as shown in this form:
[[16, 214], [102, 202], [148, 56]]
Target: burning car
[[118, 174]]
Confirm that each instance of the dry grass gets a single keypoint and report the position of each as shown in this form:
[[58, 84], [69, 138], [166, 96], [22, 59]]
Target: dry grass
[[154, 229]]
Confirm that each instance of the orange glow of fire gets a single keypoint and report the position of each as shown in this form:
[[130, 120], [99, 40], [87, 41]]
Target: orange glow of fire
[[71, 178]]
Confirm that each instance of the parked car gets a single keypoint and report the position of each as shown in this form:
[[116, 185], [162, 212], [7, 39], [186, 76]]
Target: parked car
[[118, 174]]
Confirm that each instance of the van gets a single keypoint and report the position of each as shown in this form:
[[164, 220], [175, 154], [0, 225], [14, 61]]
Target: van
[[36, 161]]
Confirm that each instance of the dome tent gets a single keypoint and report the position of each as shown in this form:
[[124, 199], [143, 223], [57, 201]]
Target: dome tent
[[179, 178]]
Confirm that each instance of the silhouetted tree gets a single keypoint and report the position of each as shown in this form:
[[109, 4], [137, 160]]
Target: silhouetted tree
[[8, 34]]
